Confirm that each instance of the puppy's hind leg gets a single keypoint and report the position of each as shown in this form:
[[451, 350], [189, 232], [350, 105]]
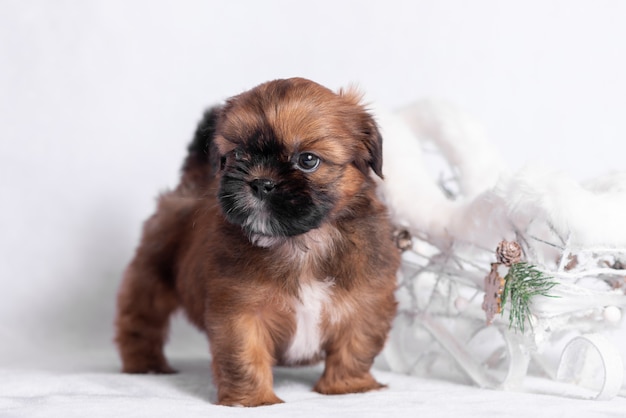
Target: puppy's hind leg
[[145, 303]]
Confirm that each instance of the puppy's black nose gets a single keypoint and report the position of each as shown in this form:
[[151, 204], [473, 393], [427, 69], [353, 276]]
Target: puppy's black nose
[[262, 187]]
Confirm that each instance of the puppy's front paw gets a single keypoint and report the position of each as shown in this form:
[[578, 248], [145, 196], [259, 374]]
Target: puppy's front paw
[[337, 386], [249, 401], [147, 368]]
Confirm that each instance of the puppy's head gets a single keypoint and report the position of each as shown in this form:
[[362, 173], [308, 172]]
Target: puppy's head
[[293, 155]]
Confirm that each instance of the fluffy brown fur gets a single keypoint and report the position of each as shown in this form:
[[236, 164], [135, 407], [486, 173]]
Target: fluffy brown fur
[[294, 268]]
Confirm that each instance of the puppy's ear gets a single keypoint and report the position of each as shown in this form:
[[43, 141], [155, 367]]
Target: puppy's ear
[[373, 141], [201, 146], [367, 130], [202, 158]]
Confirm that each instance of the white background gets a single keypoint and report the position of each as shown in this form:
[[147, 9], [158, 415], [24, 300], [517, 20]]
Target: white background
[[98, 100]]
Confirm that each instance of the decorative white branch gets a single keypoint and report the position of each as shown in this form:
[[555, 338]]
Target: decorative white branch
[[572, 233]]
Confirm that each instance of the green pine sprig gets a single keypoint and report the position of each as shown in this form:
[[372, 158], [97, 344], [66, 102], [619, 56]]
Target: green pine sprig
[[522, 283]]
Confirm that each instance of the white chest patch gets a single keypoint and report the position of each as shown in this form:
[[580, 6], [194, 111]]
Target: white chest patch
[[306, 342]]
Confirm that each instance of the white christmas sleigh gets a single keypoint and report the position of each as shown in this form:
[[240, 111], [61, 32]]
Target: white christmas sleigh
[[572, 239]]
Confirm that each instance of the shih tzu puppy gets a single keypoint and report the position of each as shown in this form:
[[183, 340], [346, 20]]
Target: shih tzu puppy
[[274, 243]]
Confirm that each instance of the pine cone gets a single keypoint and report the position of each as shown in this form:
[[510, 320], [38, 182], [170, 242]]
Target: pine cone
[[403, 240], [509, 253]]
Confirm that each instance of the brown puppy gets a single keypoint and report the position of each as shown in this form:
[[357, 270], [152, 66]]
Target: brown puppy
[[274, 243]]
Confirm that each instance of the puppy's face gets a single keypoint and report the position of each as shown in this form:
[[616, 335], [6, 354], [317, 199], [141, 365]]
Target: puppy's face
[[293, 155]]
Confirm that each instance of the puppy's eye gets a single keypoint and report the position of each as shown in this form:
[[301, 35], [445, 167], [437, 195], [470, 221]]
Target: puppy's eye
[[308, 162], [238, 154]]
